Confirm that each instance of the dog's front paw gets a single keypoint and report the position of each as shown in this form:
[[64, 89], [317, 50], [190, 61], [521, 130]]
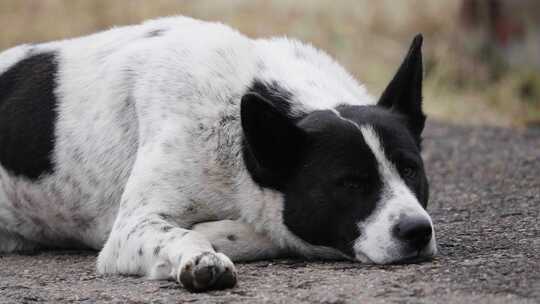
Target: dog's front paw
[[207, 271]]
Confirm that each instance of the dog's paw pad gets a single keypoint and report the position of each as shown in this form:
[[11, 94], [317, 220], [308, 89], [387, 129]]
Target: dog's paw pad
[[207, 271]]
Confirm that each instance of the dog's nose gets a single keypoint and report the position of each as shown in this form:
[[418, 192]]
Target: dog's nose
[[414, 231]]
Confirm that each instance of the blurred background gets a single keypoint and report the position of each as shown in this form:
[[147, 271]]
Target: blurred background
[[482, 57]]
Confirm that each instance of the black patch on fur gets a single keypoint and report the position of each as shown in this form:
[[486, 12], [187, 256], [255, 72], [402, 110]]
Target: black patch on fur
[[155, 33], [335, 186], [271, 139], [28, 116], [398, 142], [231, 237]]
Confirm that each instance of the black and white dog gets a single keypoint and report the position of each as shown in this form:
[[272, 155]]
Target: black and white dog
[[178, 146]]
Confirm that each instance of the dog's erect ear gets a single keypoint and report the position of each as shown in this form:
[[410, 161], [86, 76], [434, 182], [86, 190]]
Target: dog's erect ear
[[271, 136], [404, 93]]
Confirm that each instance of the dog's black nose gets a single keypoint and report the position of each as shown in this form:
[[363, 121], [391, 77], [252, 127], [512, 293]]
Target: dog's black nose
[[415, 231]]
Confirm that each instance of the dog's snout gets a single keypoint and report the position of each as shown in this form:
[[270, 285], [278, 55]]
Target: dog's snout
[[414, 231]]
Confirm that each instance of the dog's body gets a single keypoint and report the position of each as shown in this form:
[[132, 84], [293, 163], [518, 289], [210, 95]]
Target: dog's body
[[164, 143]]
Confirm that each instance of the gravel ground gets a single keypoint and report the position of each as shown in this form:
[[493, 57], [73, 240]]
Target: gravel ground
[[485, 205]]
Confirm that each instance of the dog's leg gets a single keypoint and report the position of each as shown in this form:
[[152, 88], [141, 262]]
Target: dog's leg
[[153, 246], [150, 236], [10, 242], [238, 240]]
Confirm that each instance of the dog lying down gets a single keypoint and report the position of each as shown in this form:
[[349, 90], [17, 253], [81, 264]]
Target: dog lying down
[[178, 146]]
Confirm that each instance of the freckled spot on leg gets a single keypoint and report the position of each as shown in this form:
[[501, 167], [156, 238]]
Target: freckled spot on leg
[[140, 252], [165, 217], [192, 207], [132, 231], [157, 250], [231, 237]]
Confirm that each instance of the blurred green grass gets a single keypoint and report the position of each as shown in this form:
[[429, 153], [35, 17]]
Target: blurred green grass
[[368, 37]]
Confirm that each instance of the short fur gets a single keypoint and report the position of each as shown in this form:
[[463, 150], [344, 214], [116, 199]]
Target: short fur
[[178, 146]]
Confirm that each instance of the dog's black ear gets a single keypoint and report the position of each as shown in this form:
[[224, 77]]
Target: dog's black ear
[[271, 136], [404, 93]]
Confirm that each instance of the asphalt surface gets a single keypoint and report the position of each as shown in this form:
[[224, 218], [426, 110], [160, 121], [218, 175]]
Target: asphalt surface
[[485, 202]]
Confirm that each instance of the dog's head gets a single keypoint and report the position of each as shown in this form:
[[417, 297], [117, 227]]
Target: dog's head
[[352, 177]]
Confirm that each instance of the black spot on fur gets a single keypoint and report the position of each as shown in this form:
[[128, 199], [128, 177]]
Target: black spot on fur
[[140, 252], [226, 119], [155, 33], [191, 208], [166, 228], [231, 237], [157, 249], [28, 115], [132, 231], [166, 217]]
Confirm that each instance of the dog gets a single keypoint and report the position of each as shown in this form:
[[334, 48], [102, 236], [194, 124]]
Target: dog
[[177, 146]]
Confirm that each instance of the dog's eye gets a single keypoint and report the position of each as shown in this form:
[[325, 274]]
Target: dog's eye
[[408, 172]]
